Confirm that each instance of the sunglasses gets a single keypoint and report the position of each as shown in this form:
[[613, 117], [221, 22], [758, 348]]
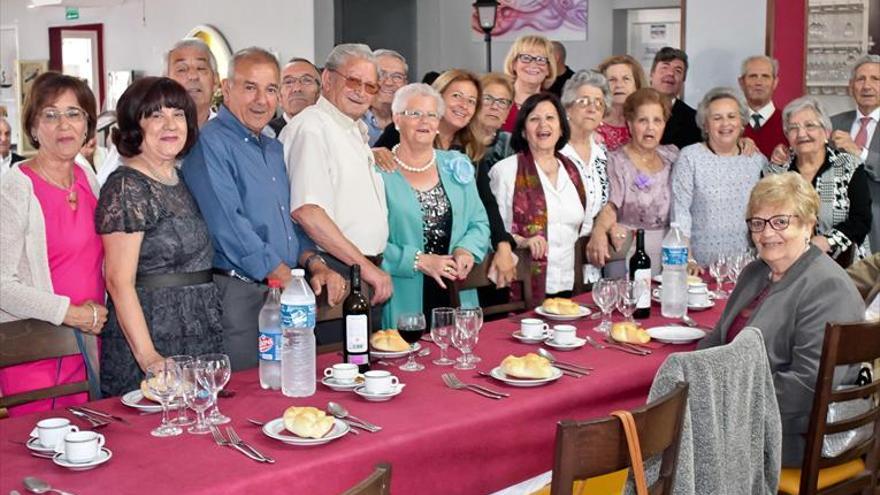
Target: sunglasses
[[357, 84]]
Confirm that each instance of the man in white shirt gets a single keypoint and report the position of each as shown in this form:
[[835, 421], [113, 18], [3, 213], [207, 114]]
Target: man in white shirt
[[856, 131], [337, 196], [393, 72], [7, 157], [758, 79], [300, 88]]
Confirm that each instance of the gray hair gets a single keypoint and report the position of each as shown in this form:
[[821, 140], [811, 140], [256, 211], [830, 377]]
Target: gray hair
[[585, 78], [764, 58], [406, 93], [716, 94], [191, 43], [867, 59], [252, 53], [384, 52], [341, 54], [804, 103]]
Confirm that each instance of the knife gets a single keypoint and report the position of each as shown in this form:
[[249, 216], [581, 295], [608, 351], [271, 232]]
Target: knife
[[100, 414]]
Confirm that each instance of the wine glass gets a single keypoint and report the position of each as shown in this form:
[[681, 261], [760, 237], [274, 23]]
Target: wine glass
[[163, 381], [464, 337], [605, 296], [197, 394], [411, 326], [217, 373], [718, 270], [479, 316], [442, 325], [181, 419], [627, 296]]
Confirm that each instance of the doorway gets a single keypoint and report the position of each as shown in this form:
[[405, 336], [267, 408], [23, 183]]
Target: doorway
[[359, 21]]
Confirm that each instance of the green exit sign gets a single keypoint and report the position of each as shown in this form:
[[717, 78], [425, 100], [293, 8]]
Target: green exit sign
[[71, 14]]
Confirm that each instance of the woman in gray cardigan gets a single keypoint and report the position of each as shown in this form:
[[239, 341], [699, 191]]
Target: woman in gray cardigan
[[789, 293]]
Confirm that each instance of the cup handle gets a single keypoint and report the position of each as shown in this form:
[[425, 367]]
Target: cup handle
[[73, 428], [394, 381], [100, 441], [328, 372], [545, 327]]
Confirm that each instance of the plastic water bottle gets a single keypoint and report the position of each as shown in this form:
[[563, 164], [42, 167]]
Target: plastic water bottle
[[673, 295], [298, 337], [269, 342]]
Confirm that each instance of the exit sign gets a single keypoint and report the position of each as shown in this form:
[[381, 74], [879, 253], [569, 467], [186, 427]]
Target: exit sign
[[71, 14]]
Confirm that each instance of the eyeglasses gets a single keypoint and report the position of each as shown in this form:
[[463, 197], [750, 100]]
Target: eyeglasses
[[490, 100], [53, 117], [527, 59], [358, 84], [807, 126], [777, 222], [462, 98], [586, 101], [419, 115], [397, 77], [303, 80]]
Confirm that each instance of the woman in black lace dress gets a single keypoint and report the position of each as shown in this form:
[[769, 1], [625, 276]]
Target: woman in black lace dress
[[157, 249]]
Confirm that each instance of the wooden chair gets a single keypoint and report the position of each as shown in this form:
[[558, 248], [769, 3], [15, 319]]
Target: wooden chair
[[377, 483], [856, 470], [478, 277], [592, 448], [30, 340], [580, 259], [327, 313]]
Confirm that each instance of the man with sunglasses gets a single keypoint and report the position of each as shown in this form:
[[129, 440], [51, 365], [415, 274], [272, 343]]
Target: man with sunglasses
[[393, 72], [337, 196], [300, 88]]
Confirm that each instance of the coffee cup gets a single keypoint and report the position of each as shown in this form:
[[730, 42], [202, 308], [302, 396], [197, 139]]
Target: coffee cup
[[380, 382], [532, 328], [564, 334], [698, 294], [342, 372], [80, 446], [51, 431]]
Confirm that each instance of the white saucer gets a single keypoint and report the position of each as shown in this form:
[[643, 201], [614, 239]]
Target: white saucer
[[530, 340], [362, 391], [499, 375], [331, 382], [577, 344], [34, 444], [676, 334], [553, 316], [655, 296], [136, 399], [393, 354], [103, 456], [275, 429]]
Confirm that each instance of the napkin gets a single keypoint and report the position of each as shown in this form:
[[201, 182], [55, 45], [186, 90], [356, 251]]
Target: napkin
[[493, 272]]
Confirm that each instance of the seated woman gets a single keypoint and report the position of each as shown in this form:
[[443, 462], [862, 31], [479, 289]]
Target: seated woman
[[50, 267], [586, 99], [711, 180], [625, 76], [640, 191], [438, 227], [790, 292], [157, 247], [839, 178], [541, 195]]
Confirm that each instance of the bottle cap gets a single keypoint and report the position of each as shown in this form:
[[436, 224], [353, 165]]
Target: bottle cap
[[297, 272], [274, 283]]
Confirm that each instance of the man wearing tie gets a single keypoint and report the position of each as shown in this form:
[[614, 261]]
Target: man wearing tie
[[856, 131], [758, 80]]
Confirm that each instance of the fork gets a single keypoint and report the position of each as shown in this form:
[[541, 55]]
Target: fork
[[462, 386], [636, 347], [454, 379], [218, 438], [236, 440]]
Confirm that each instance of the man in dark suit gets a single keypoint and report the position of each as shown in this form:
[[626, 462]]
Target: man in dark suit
[[668, 73], [300, 88], [7, 157], [564, 75], [856, 131]]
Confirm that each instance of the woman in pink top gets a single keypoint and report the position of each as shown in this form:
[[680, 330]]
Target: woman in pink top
[[625, 76], [51, 267]]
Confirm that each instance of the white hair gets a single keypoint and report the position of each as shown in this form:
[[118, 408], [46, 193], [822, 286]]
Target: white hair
[[867, 59], [384, 52], [716, 94], [252, 53], [585, 78], [764, 58], [803, 103], [341, 54], [191, 43], [406, 93]]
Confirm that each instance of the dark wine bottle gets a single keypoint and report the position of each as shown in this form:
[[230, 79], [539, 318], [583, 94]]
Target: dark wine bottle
[[356, 313], [640, 271]]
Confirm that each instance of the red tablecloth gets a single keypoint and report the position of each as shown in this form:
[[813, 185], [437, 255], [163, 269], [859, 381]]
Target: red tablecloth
[[438, 440]]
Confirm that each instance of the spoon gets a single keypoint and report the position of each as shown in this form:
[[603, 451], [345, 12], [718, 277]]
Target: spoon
[[687, 320], [36, 485], [341, 412], [544, 353]]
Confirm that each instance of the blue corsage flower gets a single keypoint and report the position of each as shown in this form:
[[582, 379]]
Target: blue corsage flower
[[461, 168]]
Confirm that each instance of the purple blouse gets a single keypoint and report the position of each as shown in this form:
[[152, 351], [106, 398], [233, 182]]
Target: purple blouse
[[642, 199]]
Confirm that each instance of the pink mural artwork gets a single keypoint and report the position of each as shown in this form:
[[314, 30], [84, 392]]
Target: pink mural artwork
[[555, 19]]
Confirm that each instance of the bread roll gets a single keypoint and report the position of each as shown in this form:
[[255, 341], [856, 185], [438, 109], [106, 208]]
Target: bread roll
[[626, 331], [307, 422], [529, 366], [561, 306], [388, 341], [147, 393]]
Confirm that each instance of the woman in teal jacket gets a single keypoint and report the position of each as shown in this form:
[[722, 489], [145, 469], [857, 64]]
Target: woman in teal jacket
[[438, 227]]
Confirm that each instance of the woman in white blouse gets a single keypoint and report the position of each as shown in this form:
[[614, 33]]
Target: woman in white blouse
[[586, 99], [541, 195]]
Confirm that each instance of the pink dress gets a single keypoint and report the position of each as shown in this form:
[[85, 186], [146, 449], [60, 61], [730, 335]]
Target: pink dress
[[76, 258]]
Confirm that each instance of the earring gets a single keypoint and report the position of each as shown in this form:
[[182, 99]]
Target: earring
[[34, 136], [397, 128]]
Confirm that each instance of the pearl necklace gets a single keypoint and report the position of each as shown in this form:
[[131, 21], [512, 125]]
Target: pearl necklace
[[408, 168]]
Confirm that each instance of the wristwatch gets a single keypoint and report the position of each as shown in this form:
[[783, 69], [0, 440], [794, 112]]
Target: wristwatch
[[310, 259]]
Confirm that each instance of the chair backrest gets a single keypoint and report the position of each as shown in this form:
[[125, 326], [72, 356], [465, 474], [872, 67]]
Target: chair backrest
[[377, 483], [31, 340], [592, 448], [580, 259], [479, 277], [845, 343]]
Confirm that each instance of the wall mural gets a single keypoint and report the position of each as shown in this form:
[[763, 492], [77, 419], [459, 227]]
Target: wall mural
[[556, 19]]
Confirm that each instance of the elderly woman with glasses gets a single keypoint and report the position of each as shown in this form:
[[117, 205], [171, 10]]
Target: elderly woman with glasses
[[839, 178], [711, 180], [625, 76], [789, 292], [586, 100], [531, 65], [52, 258], [438, 227]]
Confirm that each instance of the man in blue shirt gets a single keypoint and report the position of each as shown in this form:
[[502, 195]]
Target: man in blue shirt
[[238, 177]]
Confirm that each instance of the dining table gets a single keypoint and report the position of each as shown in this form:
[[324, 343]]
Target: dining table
[[437, 439]]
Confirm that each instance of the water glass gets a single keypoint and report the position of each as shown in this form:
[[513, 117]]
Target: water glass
[[163, 381], [181, 419], [411, 326], [442, 325], [718, 270], [605, 296], [627, 297], [217, 373], [464, 337], [197, 395]]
